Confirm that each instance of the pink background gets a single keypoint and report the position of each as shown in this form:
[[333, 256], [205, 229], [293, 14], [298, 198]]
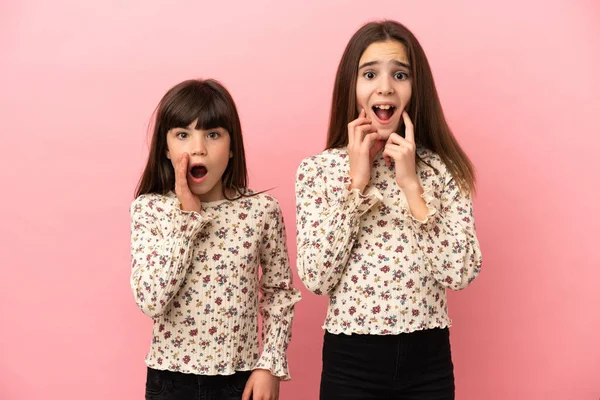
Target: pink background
[[79, 80]]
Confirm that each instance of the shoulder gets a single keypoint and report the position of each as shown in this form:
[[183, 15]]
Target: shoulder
[[270, 203], [258, 202], [153, 202], [429, 156], [327, 158], [432, 164], [330, 162], [262, 207]]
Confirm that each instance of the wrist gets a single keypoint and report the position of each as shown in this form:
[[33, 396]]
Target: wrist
[[357, 184], [412, 186], [265, 372], [187, 207], [360, 188]]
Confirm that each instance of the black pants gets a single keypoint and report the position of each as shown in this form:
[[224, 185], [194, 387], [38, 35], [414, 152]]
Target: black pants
[[409, 366], [168, 385]]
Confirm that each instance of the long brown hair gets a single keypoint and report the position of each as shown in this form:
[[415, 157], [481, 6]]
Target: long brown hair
[[425, 110], [211, 104]]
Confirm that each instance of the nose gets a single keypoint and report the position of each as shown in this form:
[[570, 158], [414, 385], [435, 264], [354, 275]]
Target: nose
[[198, 146], [385, 87]]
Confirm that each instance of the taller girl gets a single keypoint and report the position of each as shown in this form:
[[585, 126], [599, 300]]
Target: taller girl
[[385, 224]]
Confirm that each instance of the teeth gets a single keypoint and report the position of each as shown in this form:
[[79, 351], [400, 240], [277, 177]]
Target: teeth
[[384, 106]]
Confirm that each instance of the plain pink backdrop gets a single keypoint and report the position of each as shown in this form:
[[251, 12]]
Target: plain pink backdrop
[[79, 81]]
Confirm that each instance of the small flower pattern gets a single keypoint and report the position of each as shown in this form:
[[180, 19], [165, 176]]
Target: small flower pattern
[[197, 276], [385, 271]]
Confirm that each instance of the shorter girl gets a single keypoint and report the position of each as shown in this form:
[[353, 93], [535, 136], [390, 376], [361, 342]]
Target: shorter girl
[[198, 236]]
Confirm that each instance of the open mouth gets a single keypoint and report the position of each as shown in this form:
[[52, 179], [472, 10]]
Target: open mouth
[[198, 171], [384, 112]]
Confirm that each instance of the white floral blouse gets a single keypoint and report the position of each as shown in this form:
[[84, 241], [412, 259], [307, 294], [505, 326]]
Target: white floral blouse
[[197, 276], [385, 272]]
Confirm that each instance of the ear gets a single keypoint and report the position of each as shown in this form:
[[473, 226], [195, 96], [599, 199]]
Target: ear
[[168, 154], [230, 154]]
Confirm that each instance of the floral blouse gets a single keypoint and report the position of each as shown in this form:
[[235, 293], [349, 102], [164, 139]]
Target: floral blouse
[[385, 272], [197, 276]]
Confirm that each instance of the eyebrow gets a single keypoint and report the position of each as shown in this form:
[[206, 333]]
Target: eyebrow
[[187, 129], [398, 63]]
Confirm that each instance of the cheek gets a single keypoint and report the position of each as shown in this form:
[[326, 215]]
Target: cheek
[[173, 155], [407, 95], [362, 96], [362, 104], [172, 151], [224, 156]]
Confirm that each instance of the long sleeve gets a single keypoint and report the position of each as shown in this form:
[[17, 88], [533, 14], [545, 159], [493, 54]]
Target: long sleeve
[[328, 221], [447, 240], [161, 250], [278, 296]]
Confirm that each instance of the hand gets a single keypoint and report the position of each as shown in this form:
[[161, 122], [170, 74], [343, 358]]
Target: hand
[[261, 386], [189, 201], [402, 151], [364, 142]]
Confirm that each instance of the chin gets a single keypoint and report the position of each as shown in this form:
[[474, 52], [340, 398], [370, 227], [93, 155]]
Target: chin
[[199, 191], [385, 132]]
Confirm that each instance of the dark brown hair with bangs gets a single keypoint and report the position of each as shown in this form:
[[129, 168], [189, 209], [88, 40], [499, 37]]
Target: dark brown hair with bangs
[[211, 104], [425, 110]]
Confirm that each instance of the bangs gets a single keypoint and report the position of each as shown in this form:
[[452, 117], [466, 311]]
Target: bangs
[[197, 102]]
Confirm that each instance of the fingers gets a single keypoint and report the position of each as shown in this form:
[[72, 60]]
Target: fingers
[[397, 146], [183, 163], [392, 148], [181, 173], [398, 140], [396, 152], [352, 125], [247, 391], [387, 156], [361, 132], [354, 134], [409, 128], [372, 138]]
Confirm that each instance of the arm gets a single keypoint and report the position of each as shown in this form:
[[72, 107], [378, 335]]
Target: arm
[[278, 296], [326, 228], [446, 236], [444, 233], [161, 251]]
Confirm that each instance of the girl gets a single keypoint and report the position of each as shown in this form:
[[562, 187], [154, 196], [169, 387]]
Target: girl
[[198, 235], [385, 224]]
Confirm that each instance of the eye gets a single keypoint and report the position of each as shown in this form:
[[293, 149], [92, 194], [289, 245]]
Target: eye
[[369, 75], [213, 135], [181, 135], [401, 76]]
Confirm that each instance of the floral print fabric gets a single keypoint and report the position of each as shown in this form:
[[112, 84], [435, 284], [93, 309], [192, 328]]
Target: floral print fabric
[[197, 276], [385, 272]]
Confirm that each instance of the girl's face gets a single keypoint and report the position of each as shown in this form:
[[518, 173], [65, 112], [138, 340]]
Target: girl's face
[[209, 152], [383, 86]]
